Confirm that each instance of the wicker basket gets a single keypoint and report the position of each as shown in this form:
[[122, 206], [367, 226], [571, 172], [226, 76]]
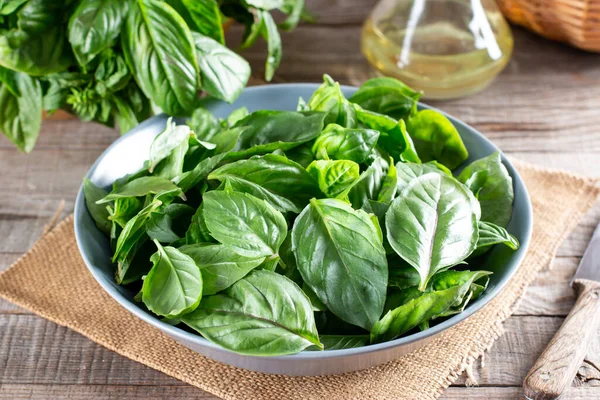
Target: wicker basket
[[572, 21]]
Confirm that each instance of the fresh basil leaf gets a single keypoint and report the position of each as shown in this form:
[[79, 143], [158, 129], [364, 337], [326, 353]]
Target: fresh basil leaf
[[36, 44], [159, 49], [141, 187], [329, 98], [389, 186], [281, 182], [421, 309], [369, 183], [302, 155], [189, 179], [316, 303], [491, 234], [8, 7], [387, 96], [436, 138], [167, 141], [341, 143], [394, 138], [198, 231], [294, 9], [236, 115], [98, 212], [173, 287], [172, 166], [341, 258], [165, 225], [432, 224], [262, 314], [21, 116], [125, 208], [94, 26], [340, 342], [220, 266], [207, 18], [401, 274], [496, 195], [224, 74], [334, 177], [250, 226], [406, 172], [271, 34], [265, 4], [286, 127], [203, 123], [9, 78]]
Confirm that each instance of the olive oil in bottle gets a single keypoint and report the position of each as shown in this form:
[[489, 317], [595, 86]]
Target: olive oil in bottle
[[446, 48]]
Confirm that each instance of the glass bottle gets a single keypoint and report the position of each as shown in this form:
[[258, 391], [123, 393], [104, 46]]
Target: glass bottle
[[446, 48]]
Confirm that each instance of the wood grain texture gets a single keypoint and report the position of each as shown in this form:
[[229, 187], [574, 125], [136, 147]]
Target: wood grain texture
[[556, 367]]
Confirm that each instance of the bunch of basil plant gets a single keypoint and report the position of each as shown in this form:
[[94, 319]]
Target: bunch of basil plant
[[334, 226], [119, 61]]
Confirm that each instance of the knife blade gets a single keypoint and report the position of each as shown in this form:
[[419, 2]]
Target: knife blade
[[555, 369], [589, 266]]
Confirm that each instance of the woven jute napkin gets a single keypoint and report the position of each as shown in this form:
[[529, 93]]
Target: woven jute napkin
[[51, 280]]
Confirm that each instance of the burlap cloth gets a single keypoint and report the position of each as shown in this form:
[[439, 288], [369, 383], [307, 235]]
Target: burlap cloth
[[52, 281]]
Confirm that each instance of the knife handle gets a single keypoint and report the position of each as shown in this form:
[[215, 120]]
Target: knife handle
[[555, 369]]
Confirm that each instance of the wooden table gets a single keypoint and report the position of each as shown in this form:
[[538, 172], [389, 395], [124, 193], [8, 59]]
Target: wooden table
[[544, 108]]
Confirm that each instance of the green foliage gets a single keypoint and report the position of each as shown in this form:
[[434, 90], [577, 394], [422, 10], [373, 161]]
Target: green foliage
[[277, 233]]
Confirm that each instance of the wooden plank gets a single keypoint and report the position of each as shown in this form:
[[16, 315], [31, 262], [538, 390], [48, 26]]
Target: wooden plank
[[6, 260], [512, 393], [101, 392], [108, 392], [34, 351]]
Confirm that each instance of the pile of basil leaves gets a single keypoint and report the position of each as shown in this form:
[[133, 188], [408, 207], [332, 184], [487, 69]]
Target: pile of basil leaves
[[334, 226], [119, 61]]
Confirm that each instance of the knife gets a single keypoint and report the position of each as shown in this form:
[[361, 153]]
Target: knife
[[555, 369]]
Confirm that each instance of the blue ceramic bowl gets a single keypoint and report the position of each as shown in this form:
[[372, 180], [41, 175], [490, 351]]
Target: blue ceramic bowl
[[127, 154]]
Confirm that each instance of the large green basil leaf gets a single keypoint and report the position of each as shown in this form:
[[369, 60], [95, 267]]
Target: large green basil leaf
[[496, 195], [283, 183], [340, 342], [421, 309], [159, 49], [271, 34], [98, 212], [341, 143], [491, 234], [328, 98], [252, 227], [286, 127], [224, 74], [141, 187], [221, 267], [394, 138], [432, 224], [334, 177], [262, 314], [340, 255], [406, 172], [94, 26], [21, 116], [37, 16], [166, 141], [7, 7], [207, 18], [173, 287], [387, 96], [436, 138]]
